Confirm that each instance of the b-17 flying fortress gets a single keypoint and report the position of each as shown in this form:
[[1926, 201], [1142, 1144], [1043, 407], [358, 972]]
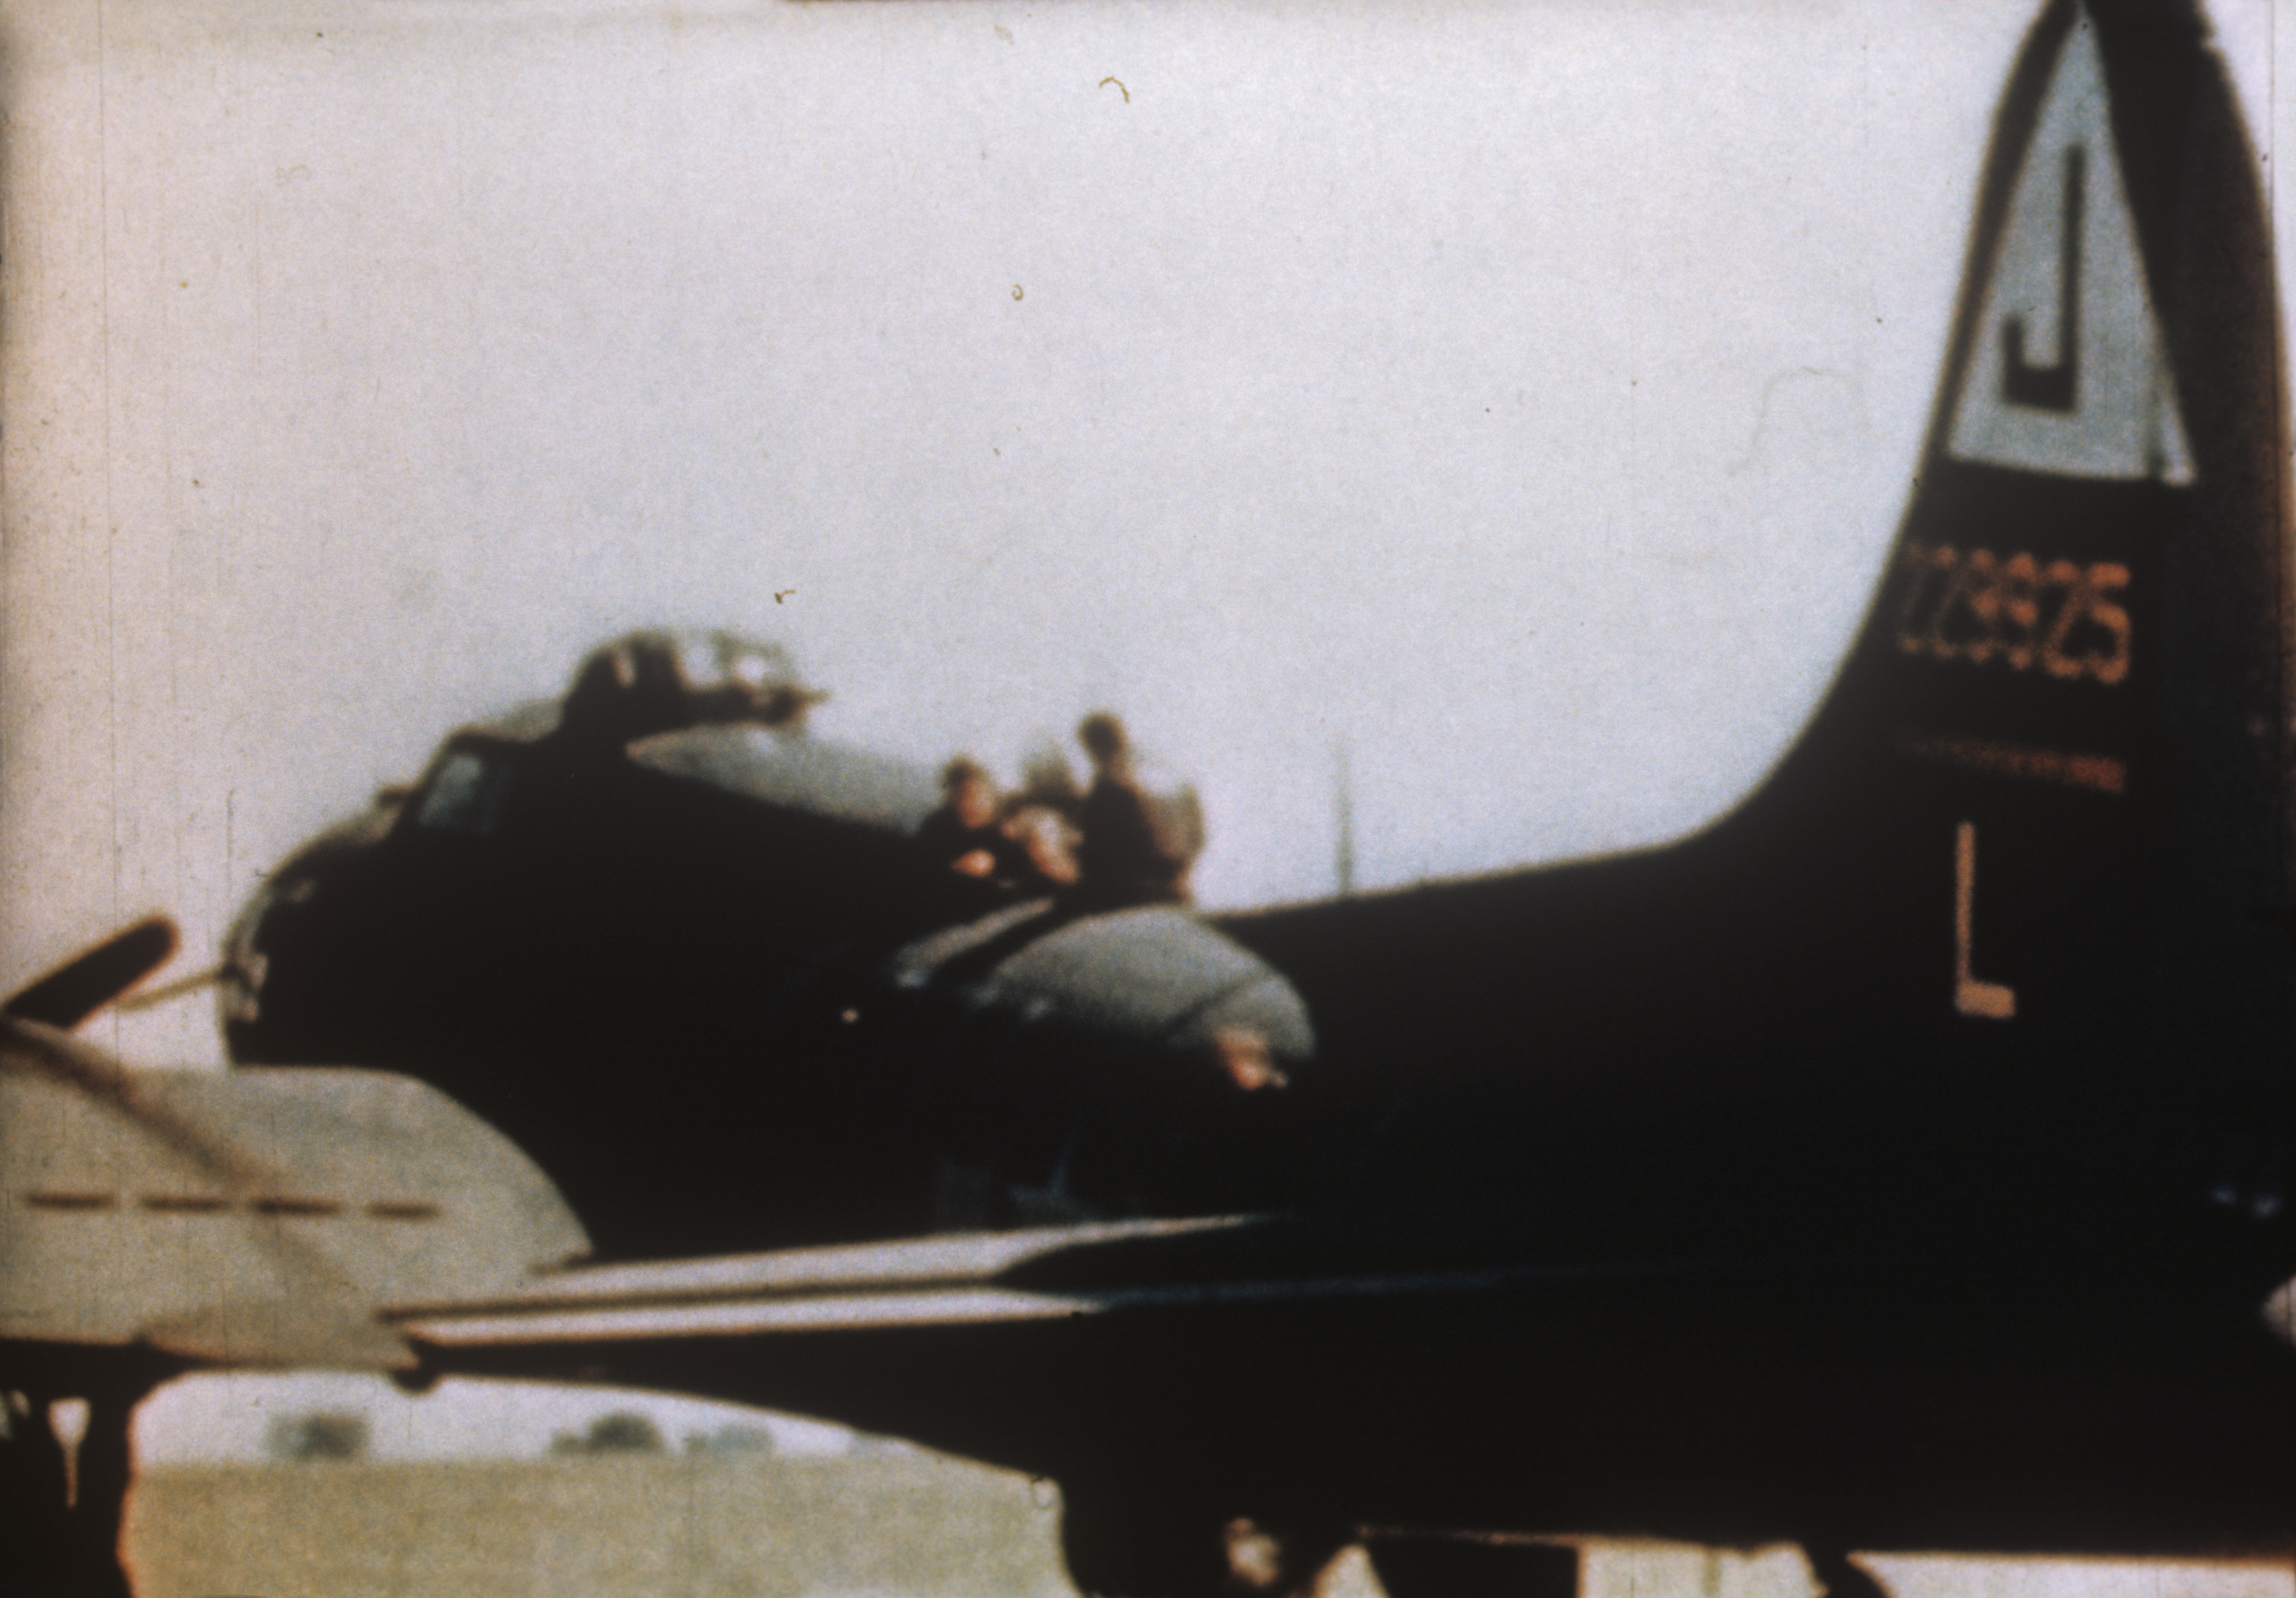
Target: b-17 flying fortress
[[1900, 1162]]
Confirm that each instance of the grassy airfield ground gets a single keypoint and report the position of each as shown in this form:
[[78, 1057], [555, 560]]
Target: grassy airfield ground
[[647, 1526], [876, 1523]]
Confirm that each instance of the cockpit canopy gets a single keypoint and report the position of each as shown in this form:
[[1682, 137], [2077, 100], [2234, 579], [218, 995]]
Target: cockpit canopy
[[661, 680]]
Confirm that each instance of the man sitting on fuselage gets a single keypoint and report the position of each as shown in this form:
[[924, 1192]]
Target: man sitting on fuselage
[[967, 833]]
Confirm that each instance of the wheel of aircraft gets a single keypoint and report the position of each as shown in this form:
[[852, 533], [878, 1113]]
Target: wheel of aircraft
[[70, 1495], [1128, 1543], [1838, 1576], [1456, 1567]]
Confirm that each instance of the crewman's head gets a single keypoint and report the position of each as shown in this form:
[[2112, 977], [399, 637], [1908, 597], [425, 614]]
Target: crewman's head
[[969, 790], [1102, 737]]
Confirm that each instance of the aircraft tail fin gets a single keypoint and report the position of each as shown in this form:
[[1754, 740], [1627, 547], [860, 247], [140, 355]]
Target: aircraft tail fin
[[2057, 761]]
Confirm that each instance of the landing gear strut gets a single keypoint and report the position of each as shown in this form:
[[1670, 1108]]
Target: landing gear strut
[[1134, 1543], [1838, 1576], [63, 1503], [1468, 1567]]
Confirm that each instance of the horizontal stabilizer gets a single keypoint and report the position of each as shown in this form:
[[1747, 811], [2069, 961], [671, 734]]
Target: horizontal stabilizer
[[248, 1219]]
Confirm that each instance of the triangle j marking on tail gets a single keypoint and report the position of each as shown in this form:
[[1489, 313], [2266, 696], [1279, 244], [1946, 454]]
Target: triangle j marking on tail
[[2068, 374]]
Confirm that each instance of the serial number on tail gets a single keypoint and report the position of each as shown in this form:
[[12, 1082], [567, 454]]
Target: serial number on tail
[[1973, 605]]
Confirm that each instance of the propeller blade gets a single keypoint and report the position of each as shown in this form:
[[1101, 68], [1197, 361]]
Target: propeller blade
[[83, 985]]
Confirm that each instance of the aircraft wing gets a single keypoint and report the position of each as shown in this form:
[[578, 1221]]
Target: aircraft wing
[[1303, 1365]]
